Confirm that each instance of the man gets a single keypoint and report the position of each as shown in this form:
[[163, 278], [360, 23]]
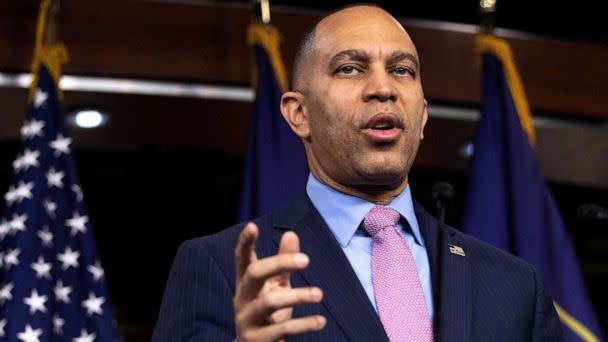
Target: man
[[353, 258]]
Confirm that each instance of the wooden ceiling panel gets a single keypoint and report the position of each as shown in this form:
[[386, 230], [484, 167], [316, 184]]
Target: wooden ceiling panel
[[206, 43]]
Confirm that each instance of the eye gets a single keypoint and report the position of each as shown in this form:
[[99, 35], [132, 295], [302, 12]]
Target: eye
[[348, 70], [403, 71]]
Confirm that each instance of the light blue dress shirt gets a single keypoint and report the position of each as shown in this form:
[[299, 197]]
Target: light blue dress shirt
[[344, 213]]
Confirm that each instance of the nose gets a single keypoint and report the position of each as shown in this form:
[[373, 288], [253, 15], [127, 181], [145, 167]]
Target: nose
[[379, 86]]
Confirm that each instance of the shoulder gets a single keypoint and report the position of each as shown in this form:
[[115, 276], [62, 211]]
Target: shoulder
[[221, 245], [509, 288], [224, 242], [484, 252], [507, 284], [485, 258]]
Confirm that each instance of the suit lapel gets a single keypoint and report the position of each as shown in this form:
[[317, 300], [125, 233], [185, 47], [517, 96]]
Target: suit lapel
[[456, 292], [452, 301], [331, 271]]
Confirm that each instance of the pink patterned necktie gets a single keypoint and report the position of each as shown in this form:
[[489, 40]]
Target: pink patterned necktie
[[399, 297]]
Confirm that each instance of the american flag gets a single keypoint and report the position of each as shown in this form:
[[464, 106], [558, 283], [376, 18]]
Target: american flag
[[52, 284]]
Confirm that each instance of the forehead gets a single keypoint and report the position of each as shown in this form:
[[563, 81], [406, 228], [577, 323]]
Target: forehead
[[363, 28]]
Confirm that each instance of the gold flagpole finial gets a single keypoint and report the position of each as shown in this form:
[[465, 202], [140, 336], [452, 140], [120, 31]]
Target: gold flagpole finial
[[487, 9], [261, 11], [47, 49], [50, 31]]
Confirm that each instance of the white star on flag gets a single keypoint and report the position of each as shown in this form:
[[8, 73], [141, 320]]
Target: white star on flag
[[96, 271], [40, 98], [85, 337], [35, 302], [17, 164], [29, 334], [93, 304], [23, 191], [10, 196], [62, 293], [61, 145], [78, 191], [46, 236], [50, 207], [27, 160], [11, 258], [58, 323], [17, 223], [32, 128], [2, 325], [4, 228], [68, 258], [5, 292], [77, 223], [53, 178], [42, 269]]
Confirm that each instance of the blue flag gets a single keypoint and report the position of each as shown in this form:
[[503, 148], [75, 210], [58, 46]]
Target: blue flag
[[509, 204], [275, 165], [51, 280]]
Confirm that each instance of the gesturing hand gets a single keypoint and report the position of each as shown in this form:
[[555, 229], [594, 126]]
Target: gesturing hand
[[264, 298]]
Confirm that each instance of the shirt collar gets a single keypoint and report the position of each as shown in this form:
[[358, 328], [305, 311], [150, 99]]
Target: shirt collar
[[344, 213]]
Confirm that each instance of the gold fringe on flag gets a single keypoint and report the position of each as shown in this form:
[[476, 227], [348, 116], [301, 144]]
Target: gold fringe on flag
[[269, 38], [498, 47]]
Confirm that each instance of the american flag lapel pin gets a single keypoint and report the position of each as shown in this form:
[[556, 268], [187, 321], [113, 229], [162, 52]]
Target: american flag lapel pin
[[456, 250]]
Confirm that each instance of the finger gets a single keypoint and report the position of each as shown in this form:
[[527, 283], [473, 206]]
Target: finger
[[244, 253], [290, 243], [288, 328], [266, 304], [260, 271]]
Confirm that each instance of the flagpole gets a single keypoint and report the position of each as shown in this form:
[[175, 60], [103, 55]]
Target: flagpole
[[51, 34], [487, 8], [261, 32], [261, 11]]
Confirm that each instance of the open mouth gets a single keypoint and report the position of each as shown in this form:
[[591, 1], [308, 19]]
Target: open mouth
[[383, 127], [383, 122]]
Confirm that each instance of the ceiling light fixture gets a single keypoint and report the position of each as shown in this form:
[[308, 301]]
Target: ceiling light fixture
[[88, 118]]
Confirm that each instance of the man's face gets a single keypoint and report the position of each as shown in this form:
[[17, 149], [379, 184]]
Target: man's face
[[363, 100]]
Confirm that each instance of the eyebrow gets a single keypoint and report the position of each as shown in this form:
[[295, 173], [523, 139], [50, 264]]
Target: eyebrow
[[362, 56], [348, 55], [399, 56]]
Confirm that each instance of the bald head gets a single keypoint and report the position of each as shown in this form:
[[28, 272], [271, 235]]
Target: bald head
[[357, 67], [307, 46]]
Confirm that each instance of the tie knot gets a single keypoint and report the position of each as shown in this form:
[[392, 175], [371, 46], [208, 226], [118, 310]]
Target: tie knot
[[379, 218]]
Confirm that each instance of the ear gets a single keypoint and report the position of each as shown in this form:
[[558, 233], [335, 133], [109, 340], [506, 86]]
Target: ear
[[292, 108], [425, 118]]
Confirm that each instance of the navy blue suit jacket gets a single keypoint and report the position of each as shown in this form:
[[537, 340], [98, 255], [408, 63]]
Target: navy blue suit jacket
[[483, 295]]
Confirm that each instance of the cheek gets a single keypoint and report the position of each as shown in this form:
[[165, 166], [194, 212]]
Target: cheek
[[330, 119]]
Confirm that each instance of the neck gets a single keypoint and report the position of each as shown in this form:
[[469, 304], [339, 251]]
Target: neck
[[377, 194]]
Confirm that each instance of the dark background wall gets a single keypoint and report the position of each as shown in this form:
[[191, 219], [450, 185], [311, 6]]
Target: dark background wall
[[167, 169]]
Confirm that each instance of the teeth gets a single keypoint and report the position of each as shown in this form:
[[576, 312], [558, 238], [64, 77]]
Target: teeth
[[382, 126]]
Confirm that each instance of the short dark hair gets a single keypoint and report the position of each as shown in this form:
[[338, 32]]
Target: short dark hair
[[306, 42]]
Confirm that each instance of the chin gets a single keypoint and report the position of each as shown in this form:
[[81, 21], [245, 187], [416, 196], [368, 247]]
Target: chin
[[384, 175]]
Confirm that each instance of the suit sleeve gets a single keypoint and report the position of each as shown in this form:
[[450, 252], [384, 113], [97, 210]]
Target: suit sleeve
[[547, 326], [197, 304]]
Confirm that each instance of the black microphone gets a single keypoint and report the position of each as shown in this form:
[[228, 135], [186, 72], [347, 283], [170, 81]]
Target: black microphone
[[592, 212], [443, 193]]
